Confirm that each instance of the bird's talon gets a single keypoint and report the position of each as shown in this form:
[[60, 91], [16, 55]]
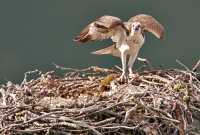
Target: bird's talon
[[122, 78]]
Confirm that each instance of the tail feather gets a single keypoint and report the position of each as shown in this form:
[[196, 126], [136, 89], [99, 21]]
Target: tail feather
[[102, 51], [111, 50]]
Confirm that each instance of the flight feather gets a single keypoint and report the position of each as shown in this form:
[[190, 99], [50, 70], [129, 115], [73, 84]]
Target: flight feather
[[149, 24], [102, 28]]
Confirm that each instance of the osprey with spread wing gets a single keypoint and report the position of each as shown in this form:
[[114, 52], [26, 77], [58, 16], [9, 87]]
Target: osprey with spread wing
[[128, 37]]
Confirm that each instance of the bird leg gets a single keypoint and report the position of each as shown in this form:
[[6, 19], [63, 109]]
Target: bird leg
[[123, 60], [131, 61], [123, 50]]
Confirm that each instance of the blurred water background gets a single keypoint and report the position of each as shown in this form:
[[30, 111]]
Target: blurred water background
[[35, 33]]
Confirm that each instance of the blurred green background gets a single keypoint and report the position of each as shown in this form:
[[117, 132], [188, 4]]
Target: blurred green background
[[35, 33]]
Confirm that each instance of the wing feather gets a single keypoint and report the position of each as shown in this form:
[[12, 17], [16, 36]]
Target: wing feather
[[150, 24], [102, 28]]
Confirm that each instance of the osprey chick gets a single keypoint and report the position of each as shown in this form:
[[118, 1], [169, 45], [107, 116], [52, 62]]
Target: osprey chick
[[128, 37]]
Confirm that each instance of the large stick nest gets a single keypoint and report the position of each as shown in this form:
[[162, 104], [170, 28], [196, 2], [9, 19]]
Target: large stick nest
[[92, 101]]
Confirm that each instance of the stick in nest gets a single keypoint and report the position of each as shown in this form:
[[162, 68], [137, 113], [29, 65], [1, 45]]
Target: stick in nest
[[196, 66]]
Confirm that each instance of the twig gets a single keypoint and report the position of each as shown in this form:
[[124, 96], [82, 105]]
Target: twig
[[165, 118], [82, 124], [33, 120], [117, 67], [183, 65], [109, 107], [129, 113], [121, 127], [93, 68], [104, 121], [197, 65], [146, 61], [64, 68], [194, 109], [29, 73], [30, 131]]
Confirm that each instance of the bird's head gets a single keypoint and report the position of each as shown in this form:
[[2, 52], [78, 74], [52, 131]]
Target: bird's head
[[136, 28]]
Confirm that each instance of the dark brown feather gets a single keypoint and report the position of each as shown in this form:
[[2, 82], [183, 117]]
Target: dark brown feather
[[101, 28], [83, 36]]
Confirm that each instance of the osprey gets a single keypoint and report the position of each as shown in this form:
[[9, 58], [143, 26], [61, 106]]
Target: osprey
[[128, 37]]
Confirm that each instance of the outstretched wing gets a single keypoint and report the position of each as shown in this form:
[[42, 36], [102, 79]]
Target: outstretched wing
[[149, 24], [103, 28]]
